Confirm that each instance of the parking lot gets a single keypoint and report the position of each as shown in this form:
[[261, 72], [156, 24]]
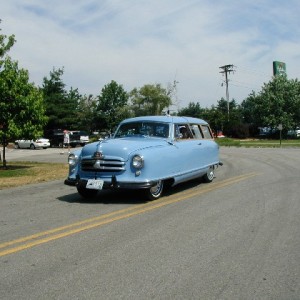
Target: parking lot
[[57, 155]]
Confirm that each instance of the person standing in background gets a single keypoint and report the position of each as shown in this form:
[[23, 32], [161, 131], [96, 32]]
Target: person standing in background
[[67, 140]]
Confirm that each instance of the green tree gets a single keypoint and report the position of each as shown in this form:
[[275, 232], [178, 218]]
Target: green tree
[[60, 105], [86, 112], [231, 124], [277, 103], [22, 111], [6, 42], [249, 108], [295, 102], [150, 100], [217, 117], [193, 110], [112, 106], [72, 106], [21, 104]]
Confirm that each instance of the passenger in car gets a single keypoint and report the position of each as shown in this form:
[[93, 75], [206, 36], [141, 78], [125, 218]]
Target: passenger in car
[[186, 134], [183, 131]]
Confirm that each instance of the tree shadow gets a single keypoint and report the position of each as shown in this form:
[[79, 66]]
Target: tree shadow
[[8, 170], [14, 167]]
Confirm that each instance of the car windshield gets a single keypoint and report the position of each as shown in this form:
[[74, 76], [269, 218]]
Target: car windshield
[[153, 129]]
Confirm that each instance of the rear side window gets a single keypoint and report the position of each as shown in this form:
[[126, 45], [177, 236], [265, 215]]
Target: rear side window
[[196, 131], [206, 132]]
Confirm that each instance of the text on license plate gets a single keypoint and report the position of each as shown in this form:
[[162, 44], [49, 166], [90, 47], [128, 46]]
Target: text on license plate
[[94, 184]]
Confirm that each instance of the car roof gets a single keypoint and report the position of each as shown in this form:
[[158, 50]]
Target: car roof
[[166, 119]]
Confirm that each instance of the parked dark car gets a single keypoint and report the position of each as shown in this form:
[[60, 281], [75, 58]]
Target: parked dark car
[[78, 137], [56, 137]]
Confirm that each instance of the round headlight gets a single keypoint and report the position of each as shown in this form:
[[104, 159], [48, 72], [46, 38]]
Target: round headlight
[[72, 159], [137, 162]]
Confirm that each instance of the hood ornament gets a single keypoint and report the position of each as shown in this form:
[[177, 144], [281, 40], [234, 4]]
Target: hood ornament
[[98, 155]]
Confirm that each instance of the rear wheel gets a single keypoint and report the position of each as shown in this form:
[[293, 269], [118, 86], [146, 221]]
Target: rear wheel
[[32, 147], [155, 191], [86, 193], [210, 175]]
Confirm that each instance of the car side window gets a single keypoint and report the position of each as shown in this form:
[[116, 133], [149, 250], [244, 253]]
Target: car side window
[[206, 132], [196, 131], [182, 132]]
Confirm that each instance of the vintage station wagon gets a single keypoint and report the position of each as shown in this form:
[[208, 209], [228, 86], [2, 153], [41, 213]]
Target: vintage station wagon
[[146, 153]]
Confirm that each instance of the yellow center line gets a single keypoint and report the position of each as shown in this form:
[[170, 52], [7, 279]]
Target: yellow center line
[[64, 231]]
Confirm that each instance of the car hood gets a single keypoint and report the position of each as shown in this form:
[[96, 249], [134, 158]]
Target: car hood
[[121, 148]]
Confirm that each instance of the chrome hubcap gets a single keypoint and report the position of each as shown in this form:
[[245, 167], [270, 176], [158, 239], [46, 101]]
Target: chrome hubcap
[[155, 190]]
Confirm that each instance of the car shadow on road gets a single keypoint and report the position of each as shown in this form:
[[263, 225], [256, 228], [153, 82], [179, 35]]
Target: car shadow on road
[[107, 197], [126, 196]]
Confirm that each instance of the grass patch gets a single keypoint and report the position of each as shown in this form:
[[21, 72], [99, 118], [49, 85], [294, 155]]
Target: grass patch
[[257, 143], [22, 173], [228, 142]]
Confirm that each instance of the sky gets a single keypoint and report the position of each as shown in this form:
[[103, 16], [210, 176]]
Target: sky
[[137, 42]]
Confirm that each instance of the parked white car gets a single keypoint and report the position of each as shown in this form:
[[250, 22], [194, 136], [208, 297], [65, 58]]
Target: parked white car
[[294, 133], [32, 144]]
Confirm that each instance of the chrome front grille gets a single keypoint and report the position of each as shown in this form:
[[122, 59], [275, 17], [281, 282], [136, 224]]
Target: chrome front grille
[[102, 165]]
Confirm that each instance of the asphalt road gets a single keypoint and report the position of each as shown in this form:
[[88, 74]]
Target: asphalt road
[[235, 238]]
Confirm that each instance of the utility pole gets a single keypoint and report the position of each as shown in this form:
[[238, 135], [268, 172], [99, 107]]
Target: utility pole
[[227, 69]]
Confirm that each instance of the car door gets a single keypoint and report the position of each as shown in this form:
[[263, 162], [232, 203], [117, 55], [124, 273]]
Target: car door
[[196, 147], [27, 143], [190, 149], [22, 144]]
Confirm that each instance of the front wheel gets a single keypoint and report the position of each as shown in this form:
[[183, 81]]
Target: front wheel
[[32, 147], [155, 191], [86, 193], [210, 175]]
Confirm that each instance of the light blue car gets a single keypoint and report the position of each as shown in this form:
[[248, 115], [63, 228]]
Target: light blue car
[[146, 153]]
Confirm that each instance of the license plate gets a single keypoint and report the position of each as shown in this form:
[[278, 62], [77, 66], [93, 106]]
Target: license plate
[[94, 184]]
